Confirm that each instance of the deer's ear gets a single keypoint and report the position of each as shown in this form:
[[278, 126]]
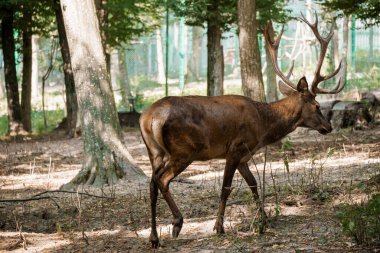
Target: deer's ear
[[285, 90], [302, 85]]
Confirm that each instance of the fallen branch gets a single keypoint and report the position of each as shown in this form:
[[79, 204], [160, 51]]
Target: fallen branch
[[39, 196], [29, 199], [74, 192]]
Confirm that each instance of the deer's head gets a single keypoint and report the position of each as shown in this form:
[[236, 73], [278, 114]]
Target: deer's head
[[311, 116]]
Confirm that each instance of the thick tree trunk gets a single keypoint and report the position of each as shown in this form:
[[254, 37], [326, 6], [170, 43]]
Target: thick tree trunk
[[123, 79], [252, 79], [102, 18], [11, 85], [106, 158], [215, 59], [271, 92], [196, 47], [26, 106], [71, 96]]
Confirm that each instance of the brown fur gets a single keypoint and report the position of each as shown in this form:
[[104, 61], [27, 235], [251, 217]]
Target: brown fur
[[180, 130]]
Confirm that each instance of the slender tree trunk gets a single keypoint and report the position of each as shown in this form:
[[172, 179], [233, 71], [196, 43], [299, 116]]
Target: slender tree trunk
[[271, 94], [252, 79], [106, 158], [215, 59], [335, 44], [345, 43], [26, 106], [123, 79], [2, 88], [11, 84], [35, 48], [159, 58], [71, 96], [196, 47]]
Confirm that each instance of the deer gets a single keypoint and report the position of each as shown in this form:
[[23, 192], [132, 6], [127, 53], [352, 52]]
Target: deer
[[179, 130]]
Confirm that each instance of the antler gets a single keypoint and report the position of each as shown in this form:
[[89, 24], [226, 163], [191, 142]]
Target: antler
[[318, 78], [273, 49]]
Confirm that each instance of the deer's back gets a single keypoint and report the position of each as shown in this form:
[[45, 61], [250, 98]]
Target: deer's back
[[199, 128]]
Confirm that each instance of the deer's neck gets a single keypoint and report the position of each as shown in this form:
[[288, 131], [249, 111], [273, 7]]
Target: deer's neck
[[281, 119]]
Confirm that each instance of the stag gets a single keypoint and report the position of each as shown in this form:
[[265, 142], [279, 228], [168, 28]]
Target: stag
[[180, 130]]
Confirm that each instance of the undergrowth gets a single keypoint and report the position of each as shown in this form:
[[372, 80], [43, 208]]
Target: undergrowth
[[362, 221]]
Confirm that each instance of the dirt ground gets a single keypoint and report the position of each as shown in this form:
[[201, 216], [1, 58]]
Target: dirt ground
[[306, 178]]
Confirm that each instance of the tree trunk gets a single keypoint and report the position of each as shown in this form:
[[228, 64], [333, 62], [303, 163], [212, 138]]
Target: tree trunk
[[252, 79], [159, 58], [26, 107], [102, 18], [2, 88], [335, 44], [271, 92], [345, 44], [71, 96], [123, 80], [195, 59], [11, 85], [215, 59], [106, 158], [35, 48]]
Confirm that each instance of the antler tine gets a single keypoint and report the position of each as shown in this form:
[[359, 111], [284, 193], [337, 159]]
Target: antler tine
[[318, 78], [273, 50], [338, 87]]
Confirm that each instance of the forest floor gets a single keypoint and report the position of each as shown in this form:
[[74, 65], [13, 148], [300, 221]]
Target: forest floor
[[308, 177]]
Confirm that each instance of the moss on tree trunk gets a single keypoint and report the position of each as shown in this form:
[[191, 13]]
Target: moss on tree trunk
[[105, 157]]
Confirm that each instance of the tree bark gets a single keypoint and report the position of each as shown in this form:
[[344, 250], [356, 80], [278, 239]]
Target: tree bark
[[252, 79], [159, 58], [195, 59], [271, 91], [71, 96], [102, 18], [35, 48], [26, 106], [123, 80], [106, 158], [345, 44], [215, 59], [11, 84]]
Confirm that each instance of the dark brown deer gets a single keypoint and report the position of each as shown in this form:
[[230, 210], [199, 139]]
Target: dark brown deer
[[180, 130]]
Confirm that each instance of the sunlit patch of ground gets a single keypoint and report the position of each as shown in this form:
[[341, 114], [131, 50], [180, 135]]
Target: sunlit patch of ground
[[300, 199]]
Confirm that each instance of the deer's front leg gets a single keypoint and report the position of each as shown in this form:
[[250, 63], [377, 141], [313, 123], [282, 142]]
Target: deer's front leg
[[229, 172]]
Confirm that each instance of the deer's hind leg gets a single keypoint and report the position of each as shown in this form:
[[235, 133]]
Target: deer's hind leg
[[163, 179], [156, 160]]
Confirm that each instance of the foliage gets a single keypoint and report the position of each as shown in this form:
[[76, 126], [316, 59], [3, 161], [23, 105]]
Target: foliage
[[362, 221], [195, 12], [129, 19], [367, 11]]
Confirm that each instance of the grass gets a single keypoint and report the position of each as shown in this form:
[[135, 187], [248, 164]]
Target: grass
[[52, 119]]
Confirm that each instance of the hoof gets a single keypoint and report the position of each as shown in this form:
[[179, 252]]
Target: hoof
[[219, 227], [177, 226], [154, 241]]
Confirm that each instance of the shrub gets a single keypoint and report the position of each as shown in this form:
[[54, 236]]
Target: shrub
[[362, 221]]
